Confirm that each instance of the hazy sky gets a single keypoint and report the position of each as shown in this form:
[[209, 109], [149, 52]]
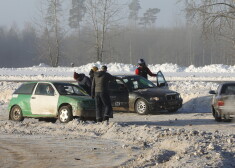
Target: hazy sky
[[22, 11]]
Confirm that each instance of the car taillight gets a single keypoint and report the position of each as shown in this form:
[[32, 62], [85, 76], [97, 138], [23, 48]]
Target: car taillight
[[220, 103]]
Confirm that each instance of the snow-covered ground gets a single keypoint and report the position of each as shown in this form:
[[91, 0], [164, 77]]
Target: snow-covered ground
[[188, 138]]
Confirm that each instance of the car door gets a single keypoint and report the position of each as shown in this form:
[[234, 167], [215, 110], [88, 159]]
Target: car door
[[119, 95], [161, 82], [44, 100]]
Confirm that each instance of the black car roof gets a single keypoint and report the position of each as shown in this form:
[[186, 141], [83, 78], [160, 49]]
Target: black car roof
[[227, 83], [126, 76]]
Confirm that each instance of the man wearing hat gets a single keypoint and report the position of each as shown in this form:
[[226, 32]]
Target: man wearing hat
[[83, 81], [143, 70], [100, 92]]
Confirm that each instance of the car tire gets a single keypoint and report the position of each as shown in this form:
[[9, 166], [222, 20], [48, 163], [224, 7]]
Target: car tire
[[213, 112], [16, 114], [65, 114], [217, 116], [141, 107]]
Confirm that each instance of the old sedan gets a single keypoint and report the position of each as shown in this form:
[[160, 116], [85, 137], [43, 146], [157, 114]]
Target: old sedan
[[223, 101], [136, 94], [50, 100]]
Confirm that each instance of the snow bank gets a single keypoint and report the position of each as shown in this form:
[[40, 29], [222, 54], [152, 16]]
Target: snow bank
[[115, 68]]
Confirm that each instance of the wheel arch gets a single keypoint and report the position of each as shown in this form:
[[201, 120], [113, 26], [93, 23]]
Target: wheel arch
[[64, 104], [140, 98], [11, 109]]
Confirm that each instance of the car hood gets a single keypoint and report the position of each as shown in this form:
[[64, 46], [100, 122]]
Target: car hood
[[154, 91]]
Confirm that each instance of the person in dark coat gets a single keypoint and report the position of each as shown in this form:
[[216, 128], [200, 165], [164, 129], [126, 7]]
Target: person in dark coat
[[143, 70], [92, 71], [83, 81], [100, 92]]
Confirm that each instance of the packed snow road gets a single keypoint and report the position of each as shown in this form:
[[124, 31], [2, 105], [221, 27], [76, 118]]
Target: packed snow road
[[187, 138]]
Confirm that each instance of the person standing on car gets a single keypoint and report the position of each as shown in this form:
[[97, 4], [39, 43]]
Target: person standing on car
[[100, 92], [92, 71], [83, 81], [143, 70]]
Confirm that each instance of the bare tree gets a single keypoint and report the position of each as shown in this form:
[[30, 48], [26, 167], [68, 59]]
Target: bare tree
[[103, 15], [216, 16], [52, 33]]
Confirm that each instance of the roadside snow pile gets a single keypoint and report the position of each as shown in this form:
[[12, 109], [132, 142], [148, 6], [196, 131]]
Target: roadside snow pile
[[6, 89], [42, 65], [174, 71], [167, 67], [157, 146], [214, 68], [195, 95]]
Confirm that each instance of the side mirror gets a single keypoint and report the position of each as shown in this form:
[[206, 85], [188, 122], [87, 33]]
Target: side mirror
[[212, 92]]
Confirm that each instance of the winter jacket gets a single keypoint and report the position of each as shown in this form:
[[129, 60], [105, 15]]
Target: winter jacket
[[100, 82], [91, 73], [144, 71], [83, 81]]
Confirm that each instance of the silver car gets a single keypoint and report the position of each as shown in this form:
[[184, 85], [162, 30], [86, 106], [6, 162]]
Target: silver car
[[223, 101]]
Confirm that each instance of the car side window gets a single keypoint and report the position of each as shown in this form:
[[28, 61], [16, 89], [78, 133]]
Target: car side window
[[44, 89], [161, 79], [25, 88], [113, 86]]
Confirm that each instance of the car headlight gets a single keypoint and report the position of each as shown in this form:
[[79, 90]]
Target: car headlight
[[180, 96], [155, 98]]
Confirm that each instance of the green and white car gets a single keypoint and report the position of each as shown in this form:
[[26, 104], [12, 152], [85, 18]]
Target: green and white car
[[49, 101]]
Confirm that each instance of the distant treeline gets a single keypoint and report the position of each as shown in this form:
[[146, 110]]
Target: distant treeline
[[96, 30], [180, 45]]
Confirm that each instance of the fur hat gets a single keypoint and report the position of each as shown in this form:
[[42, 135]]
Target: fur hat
[[95, 68]]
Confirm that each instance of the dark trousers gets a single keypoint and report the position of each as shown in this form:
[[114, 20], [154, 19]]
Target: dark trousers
[[103, 106]]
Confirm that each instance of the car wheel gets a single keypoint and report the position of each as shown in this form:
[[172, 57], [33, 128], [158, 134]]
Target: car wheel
[[65, 114], [141, 107], [217, 116], [16, 114]]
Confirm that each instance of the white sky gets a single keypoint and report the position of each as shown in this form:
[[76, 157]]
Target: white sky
[[23, 11]]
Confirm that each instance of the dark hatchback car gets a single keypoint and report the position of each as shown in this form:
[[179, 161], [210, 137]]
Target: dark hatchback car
[[134, 93], [223, 101]]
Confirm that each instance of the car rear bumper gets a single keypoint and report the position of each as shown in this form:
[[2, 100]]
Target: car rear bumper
[[228, 110]]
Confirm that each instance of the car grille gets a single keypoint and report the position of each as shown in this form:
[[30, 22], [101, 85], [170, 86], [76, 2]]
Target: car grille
[[170, 97]]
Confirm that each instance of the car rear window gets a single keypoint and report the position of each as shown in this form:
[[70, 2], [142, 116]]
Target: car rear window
[[228, 90], [25, 88]]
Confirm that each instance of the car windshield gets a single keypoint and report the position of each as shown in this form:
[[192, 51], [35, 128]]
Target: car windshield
[[138, 82], [69, 89]]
